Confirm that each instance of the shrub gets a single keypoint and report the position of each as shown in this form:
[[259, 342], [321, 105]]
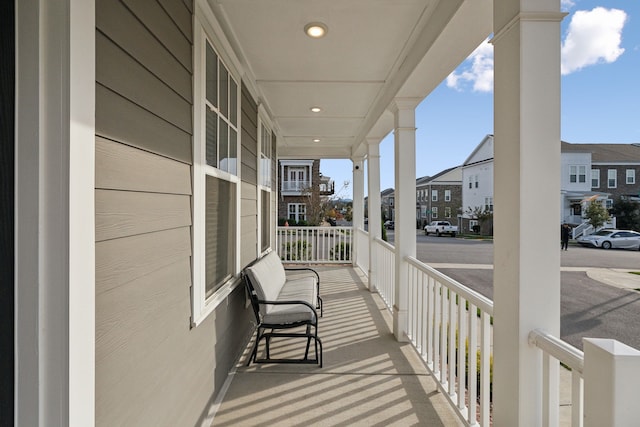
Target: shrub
[[296, 251], [341, 252]]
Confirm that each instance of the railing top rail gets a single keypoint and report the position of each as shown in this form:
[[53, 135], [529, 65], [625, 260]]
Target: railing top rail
[[362, 230], [384, 244], [564, 352], [475, 298]]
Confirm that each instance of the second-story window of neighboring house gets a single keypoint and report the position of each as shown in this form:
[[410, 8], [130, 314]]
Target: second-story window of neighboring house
[[297, 179], [434, 195], [423, 212], [578, 174], [488, 204], [612, 178], [631, 176], [471, 181], [476, 181], [434, 212], [447, 212], [297, 212], [595, 178], [390, 201], [447, 195]]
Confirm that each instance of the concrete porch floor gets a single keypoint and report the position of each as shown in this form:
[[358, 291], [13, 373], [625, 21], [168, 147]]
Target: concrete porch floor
[[368, 377]]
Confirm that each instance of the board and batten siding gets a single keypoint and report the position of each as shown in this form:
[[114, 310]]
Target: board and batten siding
[[249, 186], [152, 367]]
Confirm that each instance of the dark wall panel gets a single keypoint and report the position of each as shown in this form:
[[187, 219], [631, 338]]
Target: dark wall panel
[[7, 123]]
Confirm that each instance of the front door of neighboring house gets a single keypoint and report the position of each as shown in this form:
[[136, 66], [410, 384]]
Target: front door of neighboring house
[[297, 179]]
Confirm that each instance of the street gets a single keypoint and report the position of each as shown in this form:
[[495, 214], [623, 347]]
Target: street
[[589, 308]]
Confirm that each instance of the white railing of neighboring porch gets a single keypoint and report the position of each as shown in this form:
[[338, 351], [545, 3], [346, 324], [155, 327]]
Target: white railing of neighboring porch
[[386, 270], [320, 245], [362, 254], [444, 316]]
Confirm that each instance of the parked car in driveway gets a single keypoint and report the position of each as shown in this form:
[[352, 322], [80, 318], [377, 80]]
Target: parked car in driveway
[[441, 227], [607, 239], [389, 225]]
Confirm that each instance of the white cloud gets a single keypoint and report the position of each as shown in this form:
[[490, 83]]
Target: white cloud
[[567, 4], [479, 73], [593, 37]]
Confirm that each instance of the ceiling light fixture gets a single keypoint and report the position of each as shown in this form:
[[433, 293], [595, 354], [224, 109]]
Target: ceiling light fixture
[[316, 140], [316, 109], [315, 29]]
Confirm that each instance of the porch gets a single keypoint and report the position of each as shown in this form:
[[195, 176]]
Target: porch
[[369, 378]]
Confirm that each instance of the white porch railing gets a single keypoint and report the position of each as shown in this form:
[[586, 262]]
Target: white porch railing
[[320, 245], [445, 317], [296, 186], [386, 268], [555, 350], [362, 243]]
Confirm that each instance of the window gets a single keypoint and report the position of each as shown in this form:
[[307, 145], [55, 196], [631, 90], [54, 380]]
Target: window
[[447, 195], [608, 203], [595, 178], [297, 212], [612, 179], [476, 181], [488, 204], [631, 176], [578, 174], [264, 182], [434, 195], [471, 182], [215, 179], [434, 212], [423, 212], [447, 212]]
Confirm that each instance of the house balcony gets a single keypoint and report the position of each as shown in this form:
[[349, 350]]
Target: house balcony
[[327, 188], [371, 377], [296, 188]]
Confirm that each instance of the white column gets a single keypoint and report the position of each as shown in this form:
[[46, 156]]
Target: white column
[[55, 216], [405, 206], [373, 208], [358, 203], [611, 388], [526, 185]]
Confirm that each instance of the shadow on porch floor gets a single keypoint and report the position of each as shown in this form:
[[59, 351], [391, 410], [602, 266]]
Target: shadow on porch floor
[[368, 377]]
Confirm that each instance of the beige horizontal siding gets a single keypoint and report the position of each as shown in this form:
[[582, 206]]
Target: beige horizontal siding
[[120, 167], [180, 13], [121, 120], [120, 25]]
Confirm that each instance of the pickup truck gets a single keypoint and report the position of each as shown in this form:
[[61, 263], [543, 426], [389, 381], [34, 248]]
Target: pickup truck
[[441, 227]]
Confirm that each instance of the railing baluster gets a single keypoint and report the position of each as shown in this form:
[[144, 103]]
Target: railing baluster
[[577, 398], [472, 376], [485, 369], [443, 336], [452, 344], [430, 332], [436, 329], [462, 340]]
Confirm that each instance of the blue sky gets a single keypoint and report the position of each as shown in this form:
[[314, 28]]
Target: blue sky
[[600, 94]]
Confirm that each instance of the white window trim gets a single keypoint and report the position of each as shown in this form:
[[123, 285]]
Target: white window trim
[[434, 195], [447, 195], [264, 121], [632, 176], [202, 307], [597, 172], [615, 178]]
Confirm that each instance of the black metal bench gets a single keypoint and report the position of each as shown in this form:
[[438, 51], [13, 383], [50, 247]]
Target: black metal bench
[[280, 304]]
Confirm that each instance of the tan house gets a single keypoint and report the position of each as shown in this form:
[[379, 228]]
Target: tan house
[[145, 135]]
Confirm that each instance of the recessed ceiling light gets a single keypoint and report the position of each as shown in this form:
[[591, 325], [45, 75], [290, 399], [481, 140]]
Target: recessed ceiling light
[[316, 109], [316, 140], [316, 29]]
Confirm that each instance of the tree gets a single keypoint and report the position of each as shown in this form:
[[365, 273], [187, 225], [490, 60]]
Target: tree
[[596, 214], [481, 214], [627, 213]]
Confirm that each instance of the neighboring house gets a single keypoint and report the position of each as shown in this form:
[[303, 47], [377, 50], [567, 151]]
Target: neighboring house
[[302, 189], [589, 172], [477, 184], [387, 199], [439, 197]]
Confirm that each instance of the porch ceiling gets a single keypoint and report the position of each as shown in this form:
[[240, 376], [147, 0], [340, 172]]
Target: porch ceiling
[[374, 50]]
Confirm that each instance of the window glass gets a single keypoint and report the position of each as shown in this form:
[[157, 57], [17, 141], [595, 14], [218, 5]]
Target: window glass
[[233, 103], [224, 92], [612, 178], [631, 176], [212, 76], [220, 233], [447, 195], [211, 138], [595, 178], [265, 220]]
